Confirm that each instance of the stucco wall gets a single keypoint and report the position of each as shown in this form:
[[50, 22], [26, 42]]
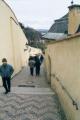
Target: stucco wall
[[73, 20], [12, 39], [48, 65], [65, 74]]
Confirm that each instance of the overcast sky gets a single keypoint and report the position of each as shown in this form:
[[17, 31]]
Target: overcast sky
[[39, 14]]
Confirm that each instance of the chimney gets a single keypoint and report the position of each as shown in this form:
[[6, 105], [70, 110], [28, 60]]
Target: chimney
[[73, 18]]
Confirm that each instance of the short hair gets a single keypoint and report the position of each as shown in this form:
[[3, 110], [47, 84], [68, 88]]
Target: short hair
[[4, 60]]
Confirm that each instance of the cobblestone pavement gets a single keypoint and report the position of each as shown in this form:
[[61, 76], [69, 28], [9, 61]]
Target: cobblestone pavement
[[30, 103], [29, 107], [24, 78]]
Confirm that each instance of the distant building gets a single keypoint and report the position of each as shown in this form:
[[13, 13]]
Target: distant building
[[60, 25], [67, 25], [74, 19], [54, 36], [42, 31]]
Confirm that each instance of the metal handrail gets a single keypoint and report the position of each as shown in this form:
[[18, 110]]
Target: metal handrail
[[73, 101]]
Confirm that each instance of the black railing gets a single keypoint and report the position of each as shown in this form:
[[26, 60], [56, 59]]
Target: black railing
[[73, 101]]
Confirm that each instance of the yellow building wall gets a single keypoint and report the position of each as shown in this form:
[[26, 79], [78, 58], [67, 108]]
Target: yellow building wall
[[65, 73], [16, 46], [12, 39], [48, 65], [5, 38], [24, 55], [73, 20]]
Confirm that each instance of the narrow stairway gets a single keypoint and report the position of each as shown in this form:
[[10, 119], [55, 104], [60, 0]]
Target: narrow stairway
[[31, 98]]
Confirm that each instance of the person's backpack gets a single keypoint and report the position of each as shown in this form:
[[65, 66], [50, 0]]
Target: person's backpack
[[31, 63]]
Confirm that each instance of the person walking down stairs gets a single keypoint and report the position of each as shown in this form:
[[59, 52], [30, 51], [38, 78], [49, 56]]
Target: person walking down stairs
[[6, 71]]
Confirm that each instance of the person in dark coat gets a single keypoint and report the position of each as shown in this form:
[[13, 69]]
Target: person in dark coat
[[37, 65], [31, 65], [6, 71], [41, 58]]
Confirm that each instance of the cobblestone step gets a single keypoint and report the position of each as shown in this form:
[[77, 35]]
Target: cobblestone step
[[31, 98], [29, 90], [15, 106]]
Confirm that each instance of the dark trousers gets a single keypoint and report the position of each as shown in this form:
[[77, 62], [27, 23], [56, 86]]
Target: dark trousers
[[38, 70], [31, 71], [6, 83]]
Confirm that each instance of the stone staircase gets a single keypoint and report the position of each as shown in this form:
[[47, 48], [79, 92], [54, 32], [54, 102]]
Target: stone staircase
[[32, 90], [29, 104]]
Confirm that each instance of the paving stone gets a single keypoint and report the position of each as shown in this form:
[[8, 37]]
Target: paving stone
[[27, 103]]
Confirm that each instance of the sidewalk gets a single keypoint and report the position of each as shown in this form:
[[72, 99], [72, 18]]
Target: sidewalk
[[34, 101]]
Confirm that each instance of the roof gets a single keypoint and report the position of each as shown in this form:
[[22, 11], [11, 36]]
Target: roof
[[60, 25], [74, 6], [64, 39], [54, 36]]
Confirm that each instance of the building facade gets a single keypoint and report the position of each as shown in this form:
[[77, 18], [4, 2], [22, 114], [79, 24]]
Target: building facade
[[63, 66], [12, 39]]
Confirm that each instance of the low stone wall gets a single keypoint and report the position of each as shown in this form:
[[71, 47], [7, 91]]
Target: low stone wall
[[63, 71]]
